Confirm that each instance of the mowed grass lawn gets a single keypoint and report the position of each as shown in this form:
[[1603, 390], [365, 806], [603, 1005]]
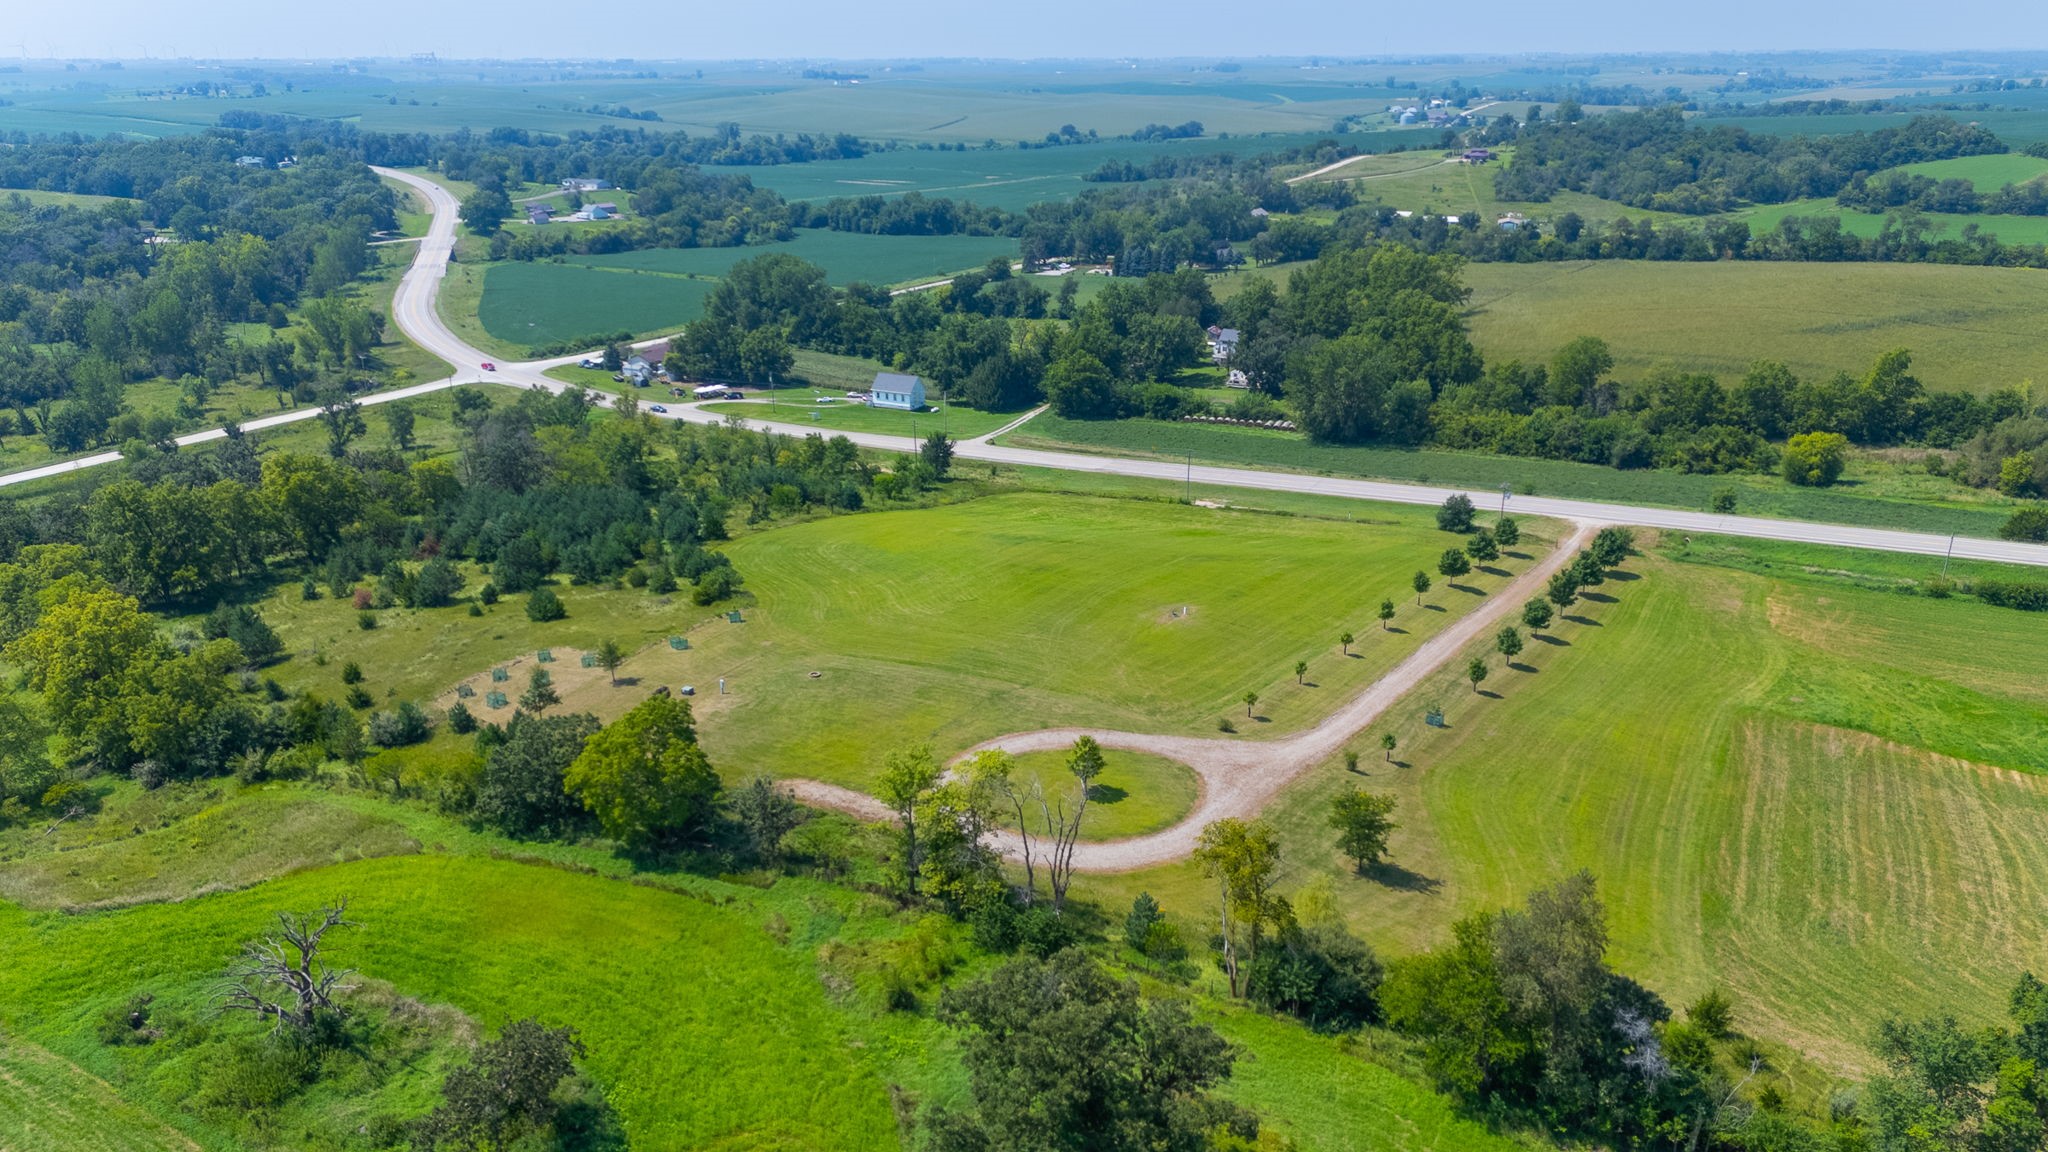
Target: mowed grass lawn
[[51, 1105], [796, 406], [957, 624], [1797, 789], [1136, 793], [1878, 496], [1970, 329]]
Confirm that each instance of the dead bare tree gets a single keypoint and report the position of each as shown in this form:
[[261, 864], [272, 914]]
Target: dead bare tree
[[1086, 763], [1015, 796], [1062, 832], [281, 977]]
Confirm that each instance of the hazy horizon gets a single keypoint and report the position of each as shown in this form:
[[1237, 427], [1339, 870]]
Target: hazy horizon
[[1052, 29]]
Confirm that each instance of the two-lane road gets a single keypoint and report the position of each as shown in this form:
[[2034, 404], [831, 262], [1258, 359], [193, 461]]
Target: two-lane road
[[414, 310]]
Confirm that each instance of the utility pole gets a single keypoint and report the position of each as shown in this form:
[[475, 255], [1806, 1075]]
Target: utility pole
[[1951, 552], [1191, 478], [1503, 499]]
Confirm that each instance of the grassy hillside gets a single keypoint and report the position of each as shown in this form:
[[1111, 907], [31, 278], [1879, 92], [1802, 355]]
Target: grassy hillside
[[718, 1014], [1790, 785], [1970, 329]]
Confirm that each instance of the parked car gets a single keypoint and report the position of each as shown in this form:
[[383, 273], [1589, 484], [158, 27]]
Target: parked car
[[490, 367], [856, 395], [735, 394], [586, 362], [658, 408]]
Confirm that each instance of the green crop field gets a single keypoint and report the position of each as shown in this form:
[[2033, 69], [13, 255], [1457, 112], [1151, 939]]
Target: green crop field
[[1970, 329], [1986, 173], [1789, 785], [541, 302], [1002, 178], [845, 256], [2008, 228]]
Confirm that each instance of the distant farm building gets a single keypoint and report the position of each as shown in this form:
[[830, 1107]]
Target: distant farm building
[[896, 390], [637, 371], [1478, 155], [585, 184], [1222, 343], [1512, 221], [251, 162], [539, 213]]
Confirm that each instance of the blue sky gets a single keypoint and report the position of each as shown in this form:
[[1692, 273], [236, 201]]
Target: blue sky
[[666, 29]]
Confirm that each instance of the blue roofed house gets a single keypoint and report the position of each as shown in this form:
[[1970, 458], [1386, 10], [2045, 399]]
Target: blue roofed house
[[896, 390]]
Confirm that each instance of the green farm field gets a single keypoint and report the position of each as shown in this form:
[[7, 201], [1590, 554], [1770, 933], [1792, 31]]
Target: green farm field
[[1002, 178], [1792, 783], [1940, 225], [845, 256], [1986, 173], [532, 303], [1970, 329]]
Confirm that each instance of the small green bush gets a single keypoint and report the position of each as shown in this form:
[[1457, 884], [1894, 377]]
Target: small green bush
[[351, 673], [367, 621], [358, 698], [543, 605]]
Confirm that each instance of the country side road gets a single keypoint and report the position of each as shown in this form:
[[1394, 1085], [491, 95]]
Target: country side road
[[1239, 777], [414, 310]]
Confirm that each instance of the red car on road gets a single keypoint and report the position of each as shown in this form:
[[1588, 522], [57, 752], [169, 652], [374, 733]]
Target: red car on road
[[490, 367]]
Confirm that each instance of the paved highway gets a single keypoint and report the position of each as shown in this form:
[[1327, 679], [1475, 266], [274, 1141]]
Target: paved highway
[[413, 308]]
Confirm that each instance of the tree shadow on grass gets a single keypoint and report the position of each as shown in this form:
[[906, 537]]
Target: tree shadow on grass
[[1435, 607], [1395, 631], [1588, 621], [1522, 667], [1624, 577], [1489, 693], [1490, 570], [1106, 794], [1391, 875], [1597, 597], [1308, 684], [1356, 655], [1468, 589], [1514, 555], [626, 682], [1553, 641]]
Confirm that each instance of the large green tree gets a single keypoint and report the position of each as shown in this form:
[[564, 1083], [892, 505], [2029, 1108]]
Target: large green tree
[[1064, 1057], [1362, 821], [645, 778]]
